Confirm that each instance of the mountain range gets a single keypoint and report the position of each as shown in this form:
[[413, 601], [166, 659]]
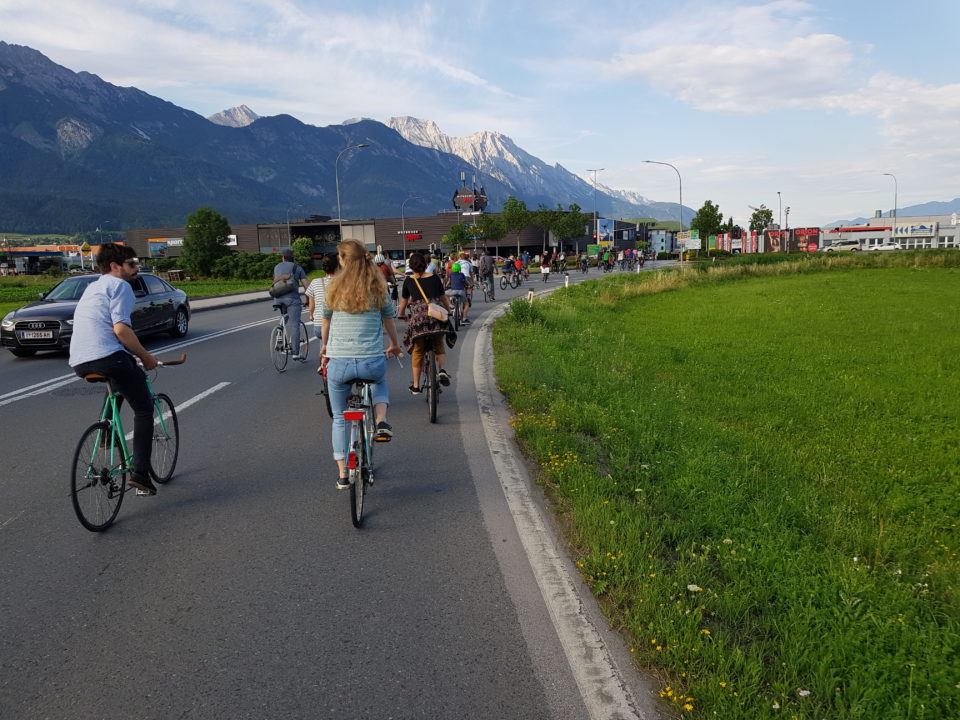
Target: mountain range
[[79, 153]]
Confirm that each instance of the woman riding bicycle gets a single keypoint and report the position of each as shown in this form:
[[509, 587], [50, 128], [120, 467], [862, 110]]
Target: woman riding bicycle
[[423, 332], [356, 311]]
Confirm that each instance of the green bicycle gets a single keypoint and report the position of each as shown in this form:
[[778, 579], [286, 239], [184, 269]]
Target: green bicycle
[[103, 459]]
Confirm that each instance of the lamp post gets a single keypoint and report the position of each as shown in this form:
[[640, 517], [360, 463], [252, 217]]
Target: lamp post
[[596, 218], [403, 221], [657, 162], [336, 176], [780, 223], [894, 204], [289, 236]]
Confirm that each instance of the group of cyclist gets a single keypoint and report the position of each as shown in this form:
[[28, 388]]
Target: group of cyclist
[[352, 306]]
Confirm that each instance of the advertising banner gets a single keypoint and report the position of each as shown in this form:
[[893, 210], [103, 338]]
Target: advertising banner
[[808, 239], [605, 230], [753, 241]]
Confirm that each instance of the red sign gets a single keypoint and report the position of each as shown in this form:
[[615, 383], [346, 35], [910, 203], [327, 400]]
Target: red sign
[[410, 237]]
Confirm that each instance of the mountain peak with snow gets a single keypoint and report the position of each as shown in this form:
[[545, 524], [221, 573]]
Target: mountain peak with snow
[[234, 117]]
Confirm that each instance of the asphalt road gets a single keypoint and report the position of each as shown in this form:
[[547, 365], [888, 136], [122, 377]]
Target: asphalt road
[[243, 591]]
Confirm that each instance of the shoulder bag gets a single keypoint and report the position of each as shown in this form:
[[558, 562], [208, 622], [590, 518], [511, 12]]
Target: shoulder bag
[[434, 310], [284, 287]]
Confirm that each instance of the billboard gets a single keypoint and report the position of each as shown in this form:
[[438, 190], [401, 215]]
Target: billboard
[[808, 239], [157, 247], [605, 230]]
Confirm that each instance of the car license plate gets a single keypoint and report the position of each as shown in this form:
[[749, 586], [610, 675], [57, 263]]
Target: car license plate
[[36, 334]]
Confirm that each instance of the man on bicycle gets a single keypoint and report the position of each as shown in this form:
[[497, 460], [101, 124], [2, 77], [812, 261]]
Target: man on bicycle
[[487, 265], [284, 269], [104, 343]]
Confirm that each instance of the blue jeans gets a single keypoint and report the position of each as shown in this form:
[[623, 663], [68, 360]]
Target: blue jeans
[[292, 318], [341, 372]]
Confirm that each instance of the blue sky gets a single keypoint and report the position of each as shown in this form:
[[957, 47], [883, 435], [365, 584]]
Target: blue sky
[[815, 99]]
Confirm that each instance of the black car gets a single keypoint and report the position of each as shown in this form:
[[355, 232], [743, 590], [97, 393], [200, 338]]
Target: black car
[[48, 323]]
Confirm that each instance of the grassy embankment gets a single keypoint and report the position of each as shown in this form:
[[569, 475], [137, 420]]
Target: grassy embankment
[[759, 468]]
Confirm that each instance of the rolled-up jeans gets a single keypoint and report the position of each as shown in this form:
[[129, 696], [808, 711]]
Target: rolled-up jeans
[[341, 372]]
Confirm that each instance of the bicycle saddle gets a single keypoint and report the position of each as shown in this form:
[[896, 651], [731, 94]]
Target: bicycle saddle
[[95, 377]]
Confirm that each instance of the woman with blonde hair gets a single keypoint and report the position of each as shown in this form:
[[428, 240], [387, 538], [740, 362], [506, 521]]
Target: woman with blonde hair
[[356, 310]]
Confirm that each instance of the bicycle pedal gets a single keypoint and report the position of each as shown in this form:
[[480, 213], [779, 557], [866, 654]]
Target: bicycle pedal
[[142, 492]]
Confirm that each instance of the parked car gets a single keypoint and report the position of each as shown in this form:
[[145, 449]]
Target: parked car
[[844, 245], [48, 323], [885, 246]]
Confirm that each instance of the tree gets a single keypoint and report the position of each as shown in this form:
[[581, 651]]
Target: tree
[[569, 223], [303, 251], [708, 221], [762, 217], [457, 238], [515, 216], [494, 228], [544, 218], [206, 241]]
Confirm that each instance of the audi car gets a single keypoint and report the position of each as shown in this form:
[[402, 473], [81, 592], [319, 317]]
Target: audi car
[[48, 323]]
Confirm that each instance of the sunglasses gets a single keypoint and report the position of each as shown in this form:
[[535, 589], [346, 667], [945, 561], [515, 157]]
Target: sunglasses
[[132, 263]]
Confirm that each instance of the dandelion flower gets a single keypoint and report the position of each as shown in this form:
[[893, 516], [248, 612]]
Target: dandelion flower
[[776, 705], [704, 632], [727, 541]]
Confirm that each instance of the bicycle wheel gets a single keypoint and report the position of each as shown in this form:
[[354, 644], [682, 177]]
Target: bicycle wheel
[[357, 482], [432, 388], [278, 348], [456, 313], [166, 439], [98, 477], [504, 282], [304, 342]]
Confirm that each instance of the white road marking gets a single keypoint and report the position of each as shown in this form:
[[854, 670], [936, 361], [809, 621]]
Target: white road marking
[[187, 403], [57, 382], [602, 688]]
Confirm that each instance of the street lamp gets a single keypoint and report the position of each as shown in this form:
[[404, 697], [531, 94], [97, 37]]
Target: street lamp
[[336, 175], [289, 236], [403, 222], [657, 162], [894, 203], [780, 224], [596, 218]]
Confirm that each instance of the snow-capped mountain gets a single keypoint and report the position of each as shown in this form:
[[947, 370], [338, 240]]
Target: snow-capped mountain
[[528, 176], [495, 154], [234, 117]]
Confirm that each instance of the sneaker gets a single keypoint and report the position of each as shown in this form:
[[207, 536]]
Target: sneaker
[[343, 483], [384, 432], [141, 481], [444, 378], [414, 390], [464, 322]]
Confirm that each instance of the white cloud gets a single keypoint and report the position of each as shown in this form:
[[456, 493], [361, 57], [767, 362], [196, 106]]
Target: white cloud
[[764, 56], [918, 119]]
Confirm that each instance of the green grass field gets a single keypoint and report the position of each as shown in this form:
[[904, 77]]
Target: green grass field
[[758, 467]]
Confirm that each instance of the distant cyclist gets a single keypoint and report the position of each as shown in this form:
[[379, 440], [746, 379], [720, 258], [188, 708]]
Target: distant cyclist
[[487, 265], [284, 269], [458, 284]]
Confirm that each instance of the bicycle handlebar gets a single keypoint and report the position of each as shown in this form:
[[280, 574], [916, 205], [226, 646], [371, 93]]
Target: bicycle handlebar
[[181, 361]]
